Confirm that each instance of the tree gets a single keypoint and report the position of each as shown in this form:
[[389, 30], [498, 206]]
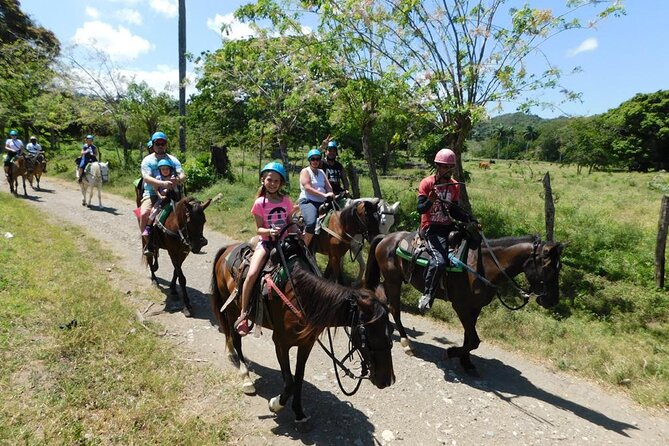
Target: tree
[[463, 55], [530, 134], [182, 75]]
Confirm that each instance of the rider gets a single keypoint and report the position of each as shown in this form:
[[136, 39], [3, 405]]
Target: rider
[[13, 147], [164, 194], [150, 175], [333, 168], [33, 149], [315, 189], [271, 210], [436, 194], [89, 154]]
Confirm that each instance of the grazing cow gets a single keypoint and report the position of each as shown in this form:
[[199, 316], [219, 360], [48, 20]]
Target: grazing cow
[[484, 165]]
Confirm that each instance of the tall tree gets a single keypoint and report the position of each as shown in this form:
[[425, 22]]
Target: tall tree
[[182, 75]]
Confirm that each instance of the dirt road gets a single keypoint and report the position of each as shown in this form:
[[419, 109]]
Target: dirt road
[[515, 402]]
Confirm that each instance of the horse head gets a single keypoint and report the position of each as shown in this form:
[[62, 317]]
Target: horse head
[[542, 270], [371, 335], [195, 220], [387, 214], [368, 217]]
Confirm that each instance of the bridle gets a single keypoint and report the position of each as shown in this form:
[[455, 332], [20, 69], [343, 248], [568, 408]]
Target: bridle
[[181, 233]]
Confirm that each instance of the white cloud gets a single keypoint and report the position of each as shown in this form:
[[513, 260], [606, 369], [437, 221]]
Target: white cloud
[[235, 29], [162, 78], [119, 44], [168, 8], [92, 12], [131, 16], [589, 44]]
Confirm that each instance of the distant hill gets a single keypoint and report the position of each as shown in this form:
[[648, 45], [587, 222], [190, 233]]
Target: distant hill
[[518, 121]]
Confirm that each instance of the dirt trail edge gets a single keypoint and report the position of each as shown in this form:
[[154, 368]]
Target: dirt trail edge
[[516, 401]]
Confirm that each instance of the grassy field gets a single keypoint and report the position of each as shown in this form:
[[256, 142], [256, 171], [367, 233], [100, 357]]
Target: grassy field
[[106, 379], [612, 324]]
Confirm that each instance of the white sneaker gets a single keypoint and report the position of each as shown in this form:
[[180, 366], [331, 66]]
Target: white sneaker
[[424, 303]]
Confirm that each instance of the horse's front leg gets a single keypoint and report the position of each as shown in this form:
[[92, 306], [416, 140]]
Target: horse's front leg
[[25, 192], [393, 290], [277, 403], [99, 188], [301, 420], [468, 317]]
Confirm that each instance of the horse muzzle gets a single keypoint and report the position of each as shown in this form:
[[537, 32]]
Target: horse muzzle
[[196, 248]]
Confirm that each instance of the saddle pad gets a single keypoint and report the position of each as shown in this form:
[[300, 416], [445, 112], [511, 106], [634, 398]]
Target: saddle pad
[[236, 257], [405, 250], [164, 213]]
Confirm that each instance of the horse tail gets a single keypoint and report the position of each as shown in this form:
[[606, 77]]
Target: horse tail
[[217, 299], [372, 276]]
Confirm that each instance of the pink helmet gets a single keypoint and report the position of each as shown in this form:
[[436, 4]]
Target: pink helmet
[[445, 156]]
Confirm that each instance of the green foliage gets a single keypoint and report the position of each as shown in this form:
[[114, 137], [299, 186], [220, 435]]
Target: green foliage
[[199, 172]]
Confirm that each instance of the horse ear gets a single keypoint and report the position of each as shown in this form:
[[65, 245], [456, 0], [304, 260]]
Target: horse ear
[[395, 206], [205, 204], [375, 201], [360, 208]]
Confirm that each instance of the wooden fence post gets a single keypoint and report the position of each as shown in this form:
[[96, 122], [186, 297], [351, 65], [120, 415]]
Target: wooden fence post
[[661, 242], [549, 207]]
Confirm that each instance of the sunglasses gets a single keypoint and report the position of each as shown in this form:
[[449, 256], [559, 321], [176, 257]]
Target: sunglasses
[[315, 158], [159, 143]]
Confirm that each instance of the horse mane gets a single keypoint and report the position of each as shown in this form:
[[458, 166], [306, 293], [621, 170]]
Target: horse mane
[[346, 215], [505, 242], [326, 304]]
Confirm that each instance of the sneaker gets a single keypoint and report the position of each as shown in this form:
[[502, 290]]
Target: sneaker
[[242, 327], [424, 303], [147, 231]]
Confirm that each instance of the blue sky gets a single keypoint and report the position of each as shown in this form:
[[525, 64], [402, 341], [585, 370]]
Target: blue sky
[[620, 57]]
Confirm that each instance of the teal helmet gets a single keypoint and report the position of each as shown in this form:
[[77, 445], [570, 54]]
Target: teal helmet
[[89, 136], [165, 162], [149, 144], [13, 133], [158, 135], [313, 152], [332, 144], [276, 167]]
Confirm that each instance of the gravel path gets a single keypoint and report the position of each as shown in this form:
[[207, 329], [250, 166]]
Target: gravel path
[[515, 402]]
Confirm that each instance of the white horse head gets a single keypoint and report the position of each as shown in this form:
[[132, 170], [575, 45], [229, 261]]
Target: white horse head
[[386, 212], [96, 173]]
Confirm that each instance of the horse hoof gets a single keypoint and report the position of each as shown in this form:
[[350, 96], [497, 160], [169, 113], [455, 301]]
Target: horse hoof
[[249, 389], [406, 346], [187, 311], [274, 405], [303, 425]]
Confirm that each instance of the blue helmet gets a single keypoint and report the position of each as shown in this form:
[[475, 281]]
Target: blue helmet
[[149, 144], [332, 144], [276, 167], [313, 152], [158, 135], [13, 133], [89, 136], [165, 162]]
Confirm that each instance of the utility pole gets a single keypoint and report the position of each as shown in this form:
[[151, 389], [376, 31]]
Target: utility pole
[[182, 75]]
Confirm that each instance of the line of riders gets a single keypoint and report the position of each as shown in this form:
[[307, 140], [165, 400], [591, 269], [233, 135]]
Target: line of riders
[[32, 153], [320, 182]]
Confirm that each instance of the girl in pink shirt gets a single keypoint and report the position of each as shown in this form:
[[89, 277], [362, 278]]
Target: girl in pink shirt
[[271, 210]]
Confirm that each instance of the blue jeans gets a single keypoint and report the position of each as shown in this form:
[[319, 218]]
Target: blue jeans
[[310, 214], [437, 246]]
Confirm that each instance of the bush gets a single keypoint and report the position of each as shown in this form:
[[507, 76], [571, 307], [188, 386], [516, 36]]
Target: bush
[[199, 173]]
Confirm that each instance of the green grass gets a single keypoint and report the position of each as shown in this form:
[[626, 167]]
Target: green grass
[[109, 379]]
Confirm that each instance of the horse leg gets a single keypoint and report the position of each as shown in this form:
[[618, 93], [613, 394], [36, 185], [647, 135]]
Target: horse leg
[[277, 403], [393, 290], [25, 192], [83, 193], [468, 317], [248, 387], [99, 188], [188, 308], [90, 194], [301, 420]]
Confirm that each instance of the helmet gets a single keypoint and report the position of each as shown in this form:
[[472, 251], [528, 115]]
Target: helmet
[[165, 162], [33, 137], [313, 152], [13, 133], [276, 167], [158, 135], [445, 156], [332, 144], [149, 144], [89, 136]]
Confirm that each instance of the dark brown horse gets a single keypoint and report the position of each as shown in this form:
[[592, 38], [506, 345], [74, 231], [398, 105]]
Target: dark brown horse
[[338, 237], [180, 234], [18, 169], [311, 304], [474, 288], [38, 167]]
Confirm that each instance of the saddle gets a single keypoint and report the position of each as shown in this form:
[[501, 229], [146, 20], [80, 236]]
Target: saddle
[[413, 248]]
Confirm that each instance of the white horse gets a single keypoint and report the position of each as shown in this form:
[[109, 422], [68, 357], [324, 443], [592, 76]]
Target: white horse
[[386, 213], [95, 174]]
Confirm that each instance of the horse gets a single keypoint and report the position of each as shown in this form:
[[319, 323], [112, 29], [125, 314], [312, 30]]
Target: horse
[[297, 313], [94, 175], [179, 234], [484, 165], [473, 288], [38, 168], [338, 231], [18, 169]]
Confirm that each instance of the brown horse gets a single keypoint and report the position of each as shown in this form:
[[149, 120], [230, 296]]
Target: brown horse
[[309, 305], [18, 169], [180, 234], [339, 236], [38, 168], [473, 288]]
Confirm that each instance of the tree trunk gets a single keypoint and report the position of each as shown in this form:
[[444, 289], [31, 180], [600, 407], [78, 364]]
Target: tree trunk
[[353, 179], [661, 245], [123, 141], [367, 151], [182, 75], [549, 207], [455, 140]]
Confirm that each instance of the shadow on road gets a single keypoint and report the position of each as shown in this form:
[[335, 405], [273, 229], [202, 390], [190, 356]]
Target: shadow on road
[[509, 383]]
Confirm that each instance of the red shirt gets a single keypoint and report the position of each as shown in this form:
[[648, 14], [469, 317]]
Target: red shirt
[[448, 190]]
